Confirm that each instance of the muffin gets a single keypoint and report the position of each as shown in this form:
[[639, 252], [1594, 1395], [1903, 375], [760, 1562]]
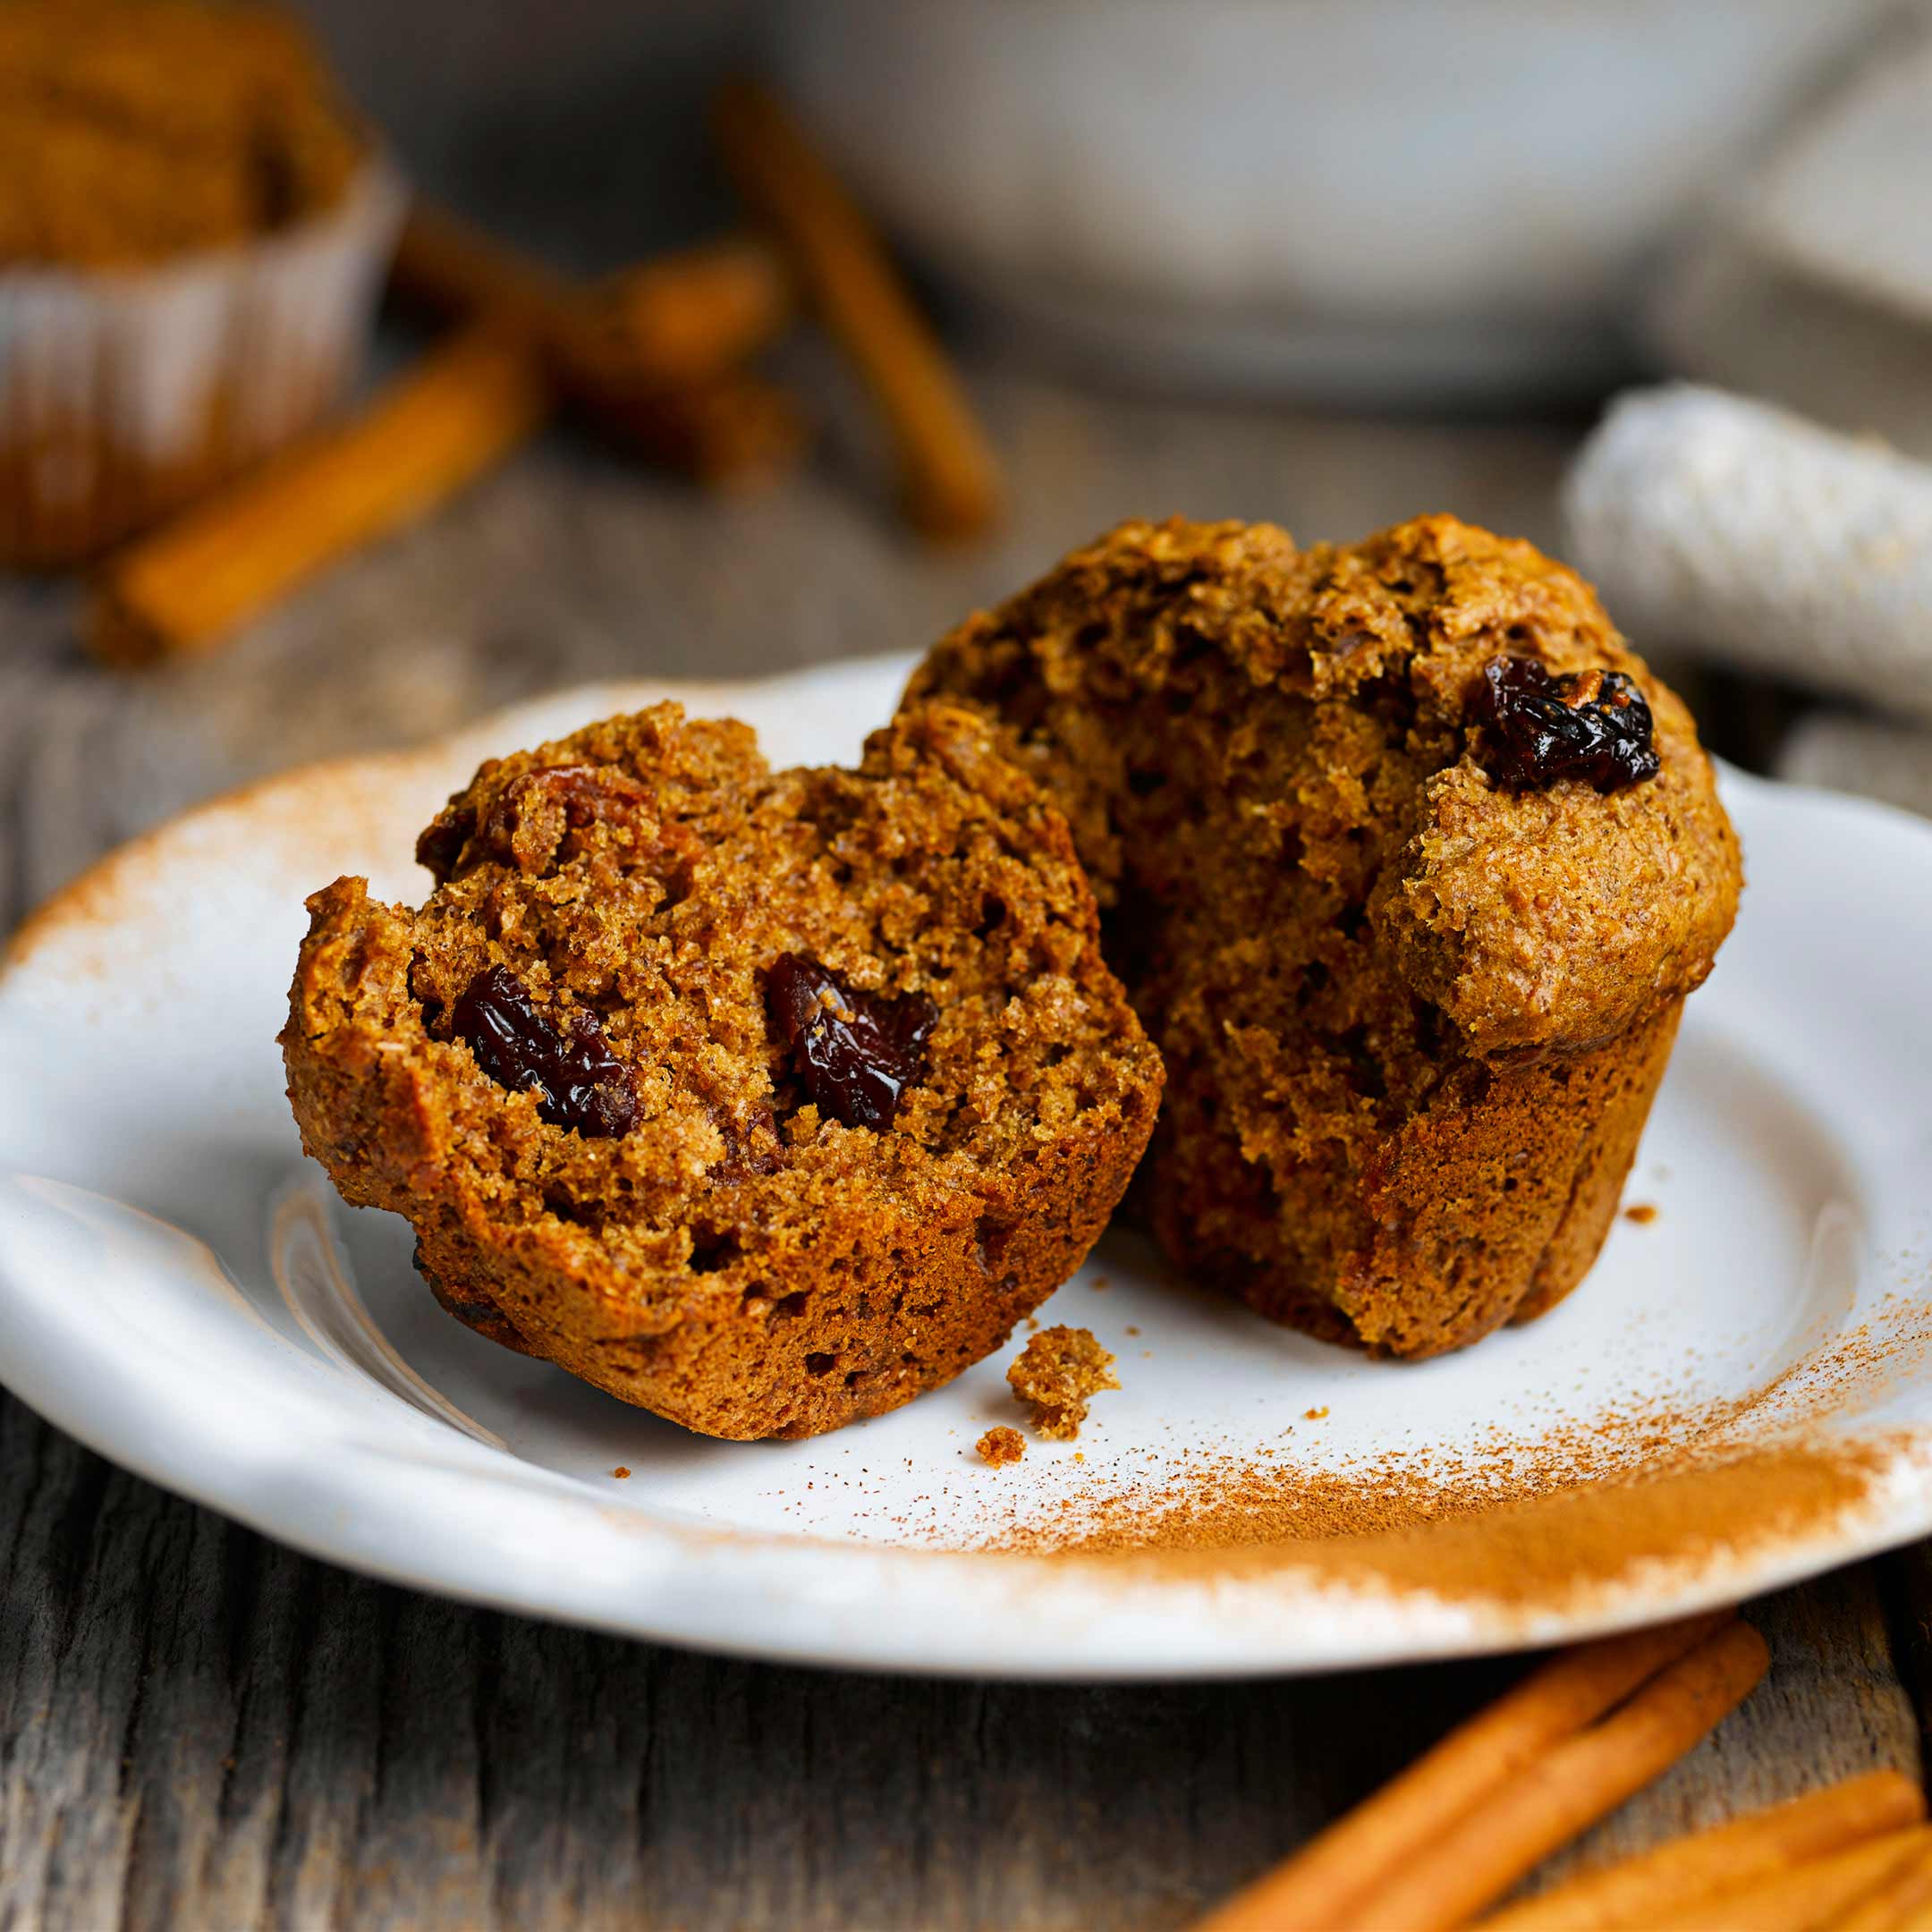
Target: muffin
[[194, 229], [1407, 863], [764, 1101]]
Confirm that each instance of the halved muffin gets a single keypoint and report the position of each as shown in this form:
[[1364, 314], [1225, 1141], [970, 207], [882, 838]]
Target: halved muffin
[[765, 1100], [1407, 863]]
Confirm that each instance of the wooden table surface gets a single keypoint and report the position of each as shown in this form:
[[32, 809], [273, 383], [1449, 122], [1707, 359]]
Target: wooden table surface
[[199, 1729]]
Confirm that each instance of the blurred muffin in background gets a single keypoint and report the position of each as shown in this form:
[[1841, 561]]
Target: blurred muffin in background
[[193, 229]]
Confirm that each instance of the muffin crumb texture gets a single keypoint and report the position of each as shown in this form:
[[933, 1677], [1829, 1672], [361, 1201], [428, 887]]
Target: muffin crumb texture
[[1408, 862], [1057, 1373], [131, 131], [1002, 1445], [762, 1100]]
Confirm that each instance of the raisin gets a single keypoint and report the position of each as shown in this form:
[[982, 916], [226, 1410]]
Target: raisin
[[441, 844], [855, 1056], [583, 1084], [1594, 725]]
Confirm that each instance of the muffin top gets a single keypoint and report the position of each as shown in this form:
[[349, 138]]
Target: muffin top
[[1461, 761], [131, 131]]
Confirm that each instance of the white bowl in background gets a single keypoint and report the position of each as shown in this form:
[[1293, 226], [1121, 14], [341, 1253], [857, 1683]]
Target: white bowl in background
[[1367, 198]]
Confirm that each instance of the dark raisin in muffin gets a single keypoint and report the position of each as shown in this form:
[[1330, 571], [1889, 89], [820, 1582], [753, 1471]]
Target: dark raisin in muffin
[[1407, 863], [765, 1100]]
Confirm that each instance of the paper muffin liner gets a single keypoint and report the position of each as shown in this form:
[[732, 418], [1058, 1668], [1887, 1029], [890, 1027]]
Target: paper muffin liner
[[126, 393]]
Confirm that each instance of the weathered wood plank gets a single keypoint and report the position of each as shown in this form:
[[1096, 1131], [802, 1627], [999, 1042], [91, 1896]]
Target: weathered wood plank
[[203, 1729], [1905, 1582]]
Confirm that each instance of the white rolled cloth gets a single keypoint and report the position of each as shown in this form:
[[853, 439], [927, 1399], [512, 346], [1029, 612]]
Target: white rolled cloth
[[1870, 757], [1741, 532]]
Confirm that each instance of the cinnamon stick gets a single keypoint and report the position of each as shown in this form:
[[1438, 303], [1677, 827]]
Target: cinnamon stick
[[1901, 1903], [1808, 1898], [653, 356], [700, 311], [738, 433], [446, 267], [949, 475], [456, 414], [1364, 1850], [1575, 1784], [1762, 1846], [684, 319]]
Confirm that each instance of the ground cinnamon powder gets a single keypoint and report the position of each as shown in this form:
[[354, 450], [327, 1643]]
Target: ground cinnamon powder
[[1404, 1534], [1513, 1522]]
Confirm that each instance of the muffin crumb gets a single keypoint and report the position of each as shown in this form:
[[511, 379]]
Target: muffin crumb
[[1057, 1371], [621, 1472], [1002, 1445]]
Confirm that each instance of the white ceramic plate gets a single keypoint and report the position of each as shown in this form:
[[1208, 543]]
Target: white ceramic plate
[[179, 1289]]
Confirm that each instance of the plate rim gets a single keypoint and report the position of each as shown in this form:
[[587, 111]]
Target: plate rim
[[189, 1459]]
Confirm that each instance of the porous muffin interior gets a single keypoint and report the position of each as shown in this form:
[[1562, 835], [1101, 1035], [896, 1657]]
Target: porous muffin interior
[[1336, 923], [664, 914], [652, 872]]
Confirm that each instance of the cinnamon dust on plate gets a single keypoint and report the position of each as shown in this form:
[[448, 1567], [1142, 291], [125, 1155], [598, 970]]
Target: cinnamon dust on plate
[[1227, 1517], [1512, 1521]]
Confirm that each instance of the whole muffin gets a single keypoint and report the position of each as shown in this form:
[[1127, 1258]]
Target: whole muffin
[[1407, 863], [765, 1100], [194, 229]]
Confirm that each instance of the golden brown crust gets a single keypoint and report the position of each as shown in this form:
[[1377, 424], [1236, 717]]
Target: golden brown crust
[[734, 1260], [1412, 1019], [134, 130]]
